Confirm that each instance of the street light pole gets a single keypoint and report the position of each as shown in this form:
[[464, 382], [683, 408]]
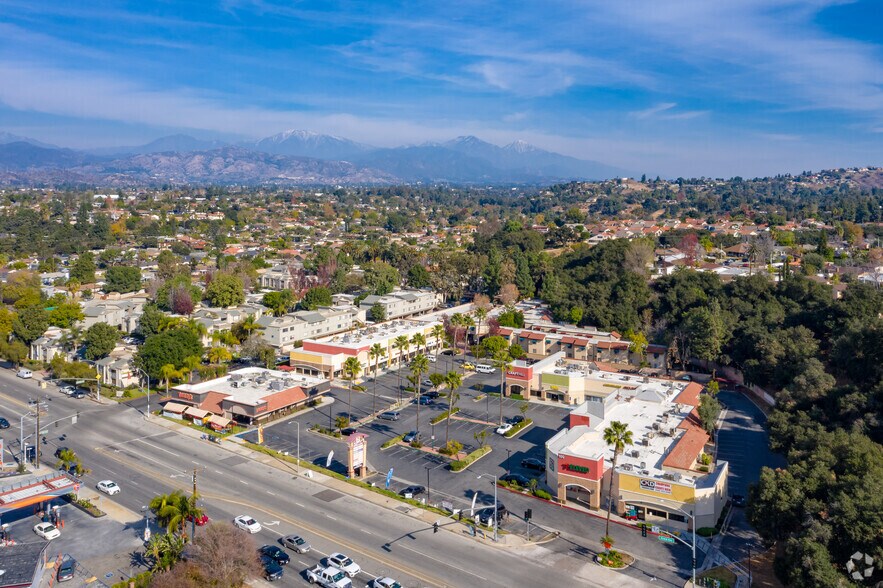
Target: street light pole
[[508, 454], [297, 463], [146, 375], [496, 508], [427, 486]]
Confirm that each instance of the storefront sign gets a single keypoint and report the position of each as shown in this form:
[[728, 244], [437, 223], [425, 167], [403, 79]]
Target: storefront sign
[[656, 486], [185, 396], [576, 468]]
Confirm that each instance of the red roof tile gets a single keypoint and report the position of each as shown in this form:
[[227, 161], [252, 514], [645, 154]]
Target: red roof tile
[[212, 402], [690, 394], [285, 398]]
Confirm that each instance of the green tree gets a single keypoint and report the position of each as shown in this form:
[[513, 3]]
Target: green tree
[[419, 366], [83, 269], [169, 347], [279, 302], [30, 324], [14, 351], [316, 297], [352, 367], [219, 355], [709, 410], [617, 435], [418, 277], [100, 339], [495, 344], [378, 313], [453, 381], [122, 279], [151, 320], [225, 290], [381, 278], [64, 316]]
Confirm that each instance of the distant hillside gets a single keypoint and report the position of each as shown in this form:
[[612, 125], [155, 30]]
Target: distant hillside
[[20, 155], [309, 144]]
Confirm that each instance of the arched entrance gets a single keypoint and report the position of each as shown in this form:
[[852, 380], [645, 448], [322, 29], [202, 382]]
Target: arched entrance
[[516, 389], [580, 495]]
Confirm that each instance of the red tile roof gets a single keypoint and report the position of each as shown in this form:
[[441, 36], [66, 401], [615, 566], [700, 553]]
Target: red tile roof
[[285, 398], [690, 394], [612, 345], [212, 402]]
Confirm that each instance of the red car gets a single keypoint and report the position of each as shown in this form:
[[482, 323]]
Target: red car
[[200, 520]]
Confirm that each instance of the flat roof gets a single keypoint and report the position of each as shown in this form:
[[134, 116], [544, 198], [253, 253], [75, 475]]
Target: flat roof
[[378, 333], [251, 386]]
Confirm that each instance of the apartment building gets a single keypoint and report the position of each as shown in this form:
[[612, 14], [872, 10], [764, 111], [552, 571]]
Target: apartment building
[[403, 303], [283, 332]]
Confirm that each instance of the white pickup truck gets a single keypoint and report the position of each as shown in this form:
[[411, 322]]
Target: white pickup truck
[[328, 577]]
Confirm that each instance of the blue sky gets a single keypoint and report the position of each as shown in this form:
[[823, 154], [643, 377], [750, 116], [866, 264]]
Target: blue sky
[[678, 88]]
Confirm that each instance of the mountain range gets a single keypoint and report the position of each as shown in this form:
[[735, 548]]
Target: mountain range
[[292, 157]]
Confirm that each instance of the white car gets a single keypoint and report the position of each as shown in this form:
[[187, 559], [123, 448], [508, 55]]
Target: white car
[[504, 428], [109, 487], [383, 583], [246, 523], [47, 531], [342, 562], [432, 359]]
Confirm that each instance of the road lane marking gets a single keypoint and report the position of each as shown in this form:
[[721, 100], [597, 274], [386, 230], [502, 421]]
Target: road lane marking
[[243, 482], [271, 493]]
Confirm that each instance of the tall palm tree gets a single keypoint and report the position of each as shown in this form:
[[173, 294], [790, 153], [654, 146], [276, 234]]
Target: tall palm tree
[[453, 380], [352, 367], [438, 333], [468, 322], [502, 360], [249, 324], [375, 353], [617, 435], [172, 510], [199, 329], [457, 323], [191, 363], [419, 366], [167, 372], [418, 341], [480, 314], [400, 343]]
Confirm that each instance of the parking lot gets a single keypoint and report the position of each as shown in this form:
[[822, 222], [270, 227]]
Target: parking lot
[[412, 466]]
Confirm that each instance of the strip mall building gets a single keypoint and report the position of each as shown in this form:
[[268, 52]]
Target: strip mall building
[[662, 477]]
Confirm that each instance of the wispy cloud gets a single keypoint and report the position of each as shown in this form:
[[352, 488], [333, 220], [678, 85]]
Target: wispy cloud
[[665, 111]]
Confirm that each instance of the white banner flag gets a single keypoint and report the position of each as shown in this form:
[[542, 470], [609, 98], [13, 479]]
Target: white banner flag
[[328, 461]]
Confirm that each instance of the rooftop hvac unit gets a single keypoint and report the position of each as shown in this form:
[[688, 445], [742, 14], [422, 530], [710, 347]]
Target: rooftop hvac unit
[[673, 431], [668, 476], [645, 472], [655, 426], [636, 453], [646, 380], [627, 467], [651, 435], [277, 385], [677, 477], [643, 465], [235, 377], [645, 442]]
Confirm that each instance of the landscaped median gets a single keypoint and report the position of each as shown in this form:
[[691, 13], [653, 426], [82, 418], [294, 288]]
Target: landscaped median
[[515, 487], [518, 428], [392, 442], [462, 464], [443, 416]]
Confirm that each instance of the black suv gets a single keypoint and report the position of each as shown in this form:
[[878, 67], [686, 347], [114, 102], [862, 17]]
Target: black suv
[[530, 463], [411, 491], [272, 570], [276, 554], [483, 516]]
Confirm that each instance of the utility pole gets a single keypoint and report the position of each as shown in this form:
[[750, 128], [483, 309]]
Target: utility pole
[[193, 518]]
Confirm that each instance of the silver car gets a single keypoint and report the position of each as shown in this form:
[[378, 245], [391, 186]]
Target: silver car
[[295, 543]]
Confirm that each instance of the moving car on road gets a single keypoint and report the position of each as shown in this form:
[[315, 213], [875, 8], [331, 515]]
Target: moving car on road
[[4, 424], [329, 577], [342, 562], [47, 531], [246, 523], [272, 570], [25, 374], [109, 487], [277, 555], [295, 543], [383, 583]]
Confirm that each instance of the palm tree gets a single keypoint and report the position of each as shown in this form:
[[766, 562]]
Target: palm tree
[[419, 366], [197, 328], [618, 436], [167, 508], [457, 323], [418, 341], [375, 353], [249, 324], [168, 372], [191, 363], [219, 355], [502, 360], [400, 343], [352, 367], [480, 314], [468, 322], [453, 380], [438, 333], [73, 287]]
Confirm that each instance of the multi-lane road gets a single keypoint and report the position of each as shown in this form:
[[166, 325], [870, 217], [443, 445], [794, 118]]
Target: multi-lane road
[[146, 459]]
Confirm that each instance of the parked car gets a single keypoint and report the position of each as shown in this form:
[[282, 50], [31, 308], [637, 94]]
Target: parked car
[[412, 491], [517, 478], [517, 419], [246, 523], [279, 556], [427, 382], [383, 583], [79, 394], [738, 500], [345, 564], [272, 570], [468, 367], [411, 436], [66, 569], [425, 400], [47, 531], [504, 428], [431, 358], [295, 543], [348, 431], [4, 424], [485, 515], [432, 394], [484, 368], [59, 451], [109, 487], [389, 415], [531, 463]]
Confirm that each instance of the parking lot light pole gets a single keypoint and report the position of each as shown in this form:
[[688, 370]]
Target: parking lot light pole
[[146, 375], [508, 454], [427, 485], [297, 463], [496, 512]]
